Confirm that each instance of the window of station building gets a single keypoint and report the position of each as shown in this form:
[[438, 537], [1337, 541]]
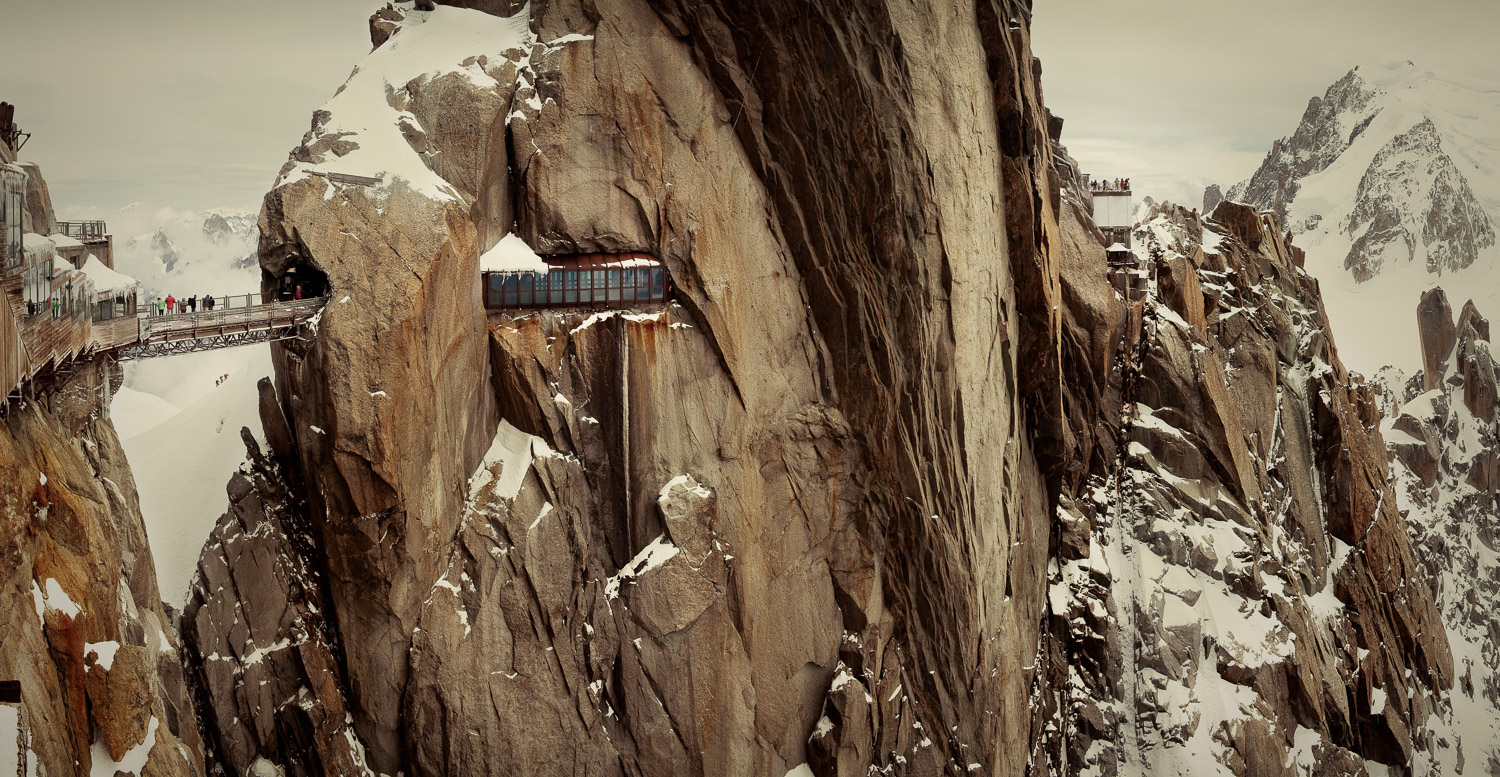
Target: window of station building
[[37, 287], [612, 284], [10, 222]]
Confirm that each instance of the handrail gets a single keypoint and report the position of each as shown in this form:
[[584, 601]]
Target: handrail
[[253, 299], [152, 326], [81, 230]]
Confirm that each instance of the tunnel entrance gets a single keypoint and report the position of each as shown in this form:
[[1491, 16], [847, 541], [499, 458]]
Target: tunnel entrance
[[300, 281]]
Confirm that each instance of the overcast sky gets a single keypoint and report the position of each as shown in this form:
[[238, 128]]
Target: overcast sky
[[191, 104], [1176, 94], [194, 104]]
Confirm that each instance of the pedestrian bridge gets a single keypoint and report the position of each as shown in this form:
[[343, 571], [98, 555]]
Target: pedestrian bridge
[[48, 341], [208, 330]]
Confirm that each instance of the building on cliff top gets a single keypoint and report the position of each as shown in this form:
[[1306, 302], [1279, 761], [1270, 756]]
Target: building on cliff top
[[1114, 213]]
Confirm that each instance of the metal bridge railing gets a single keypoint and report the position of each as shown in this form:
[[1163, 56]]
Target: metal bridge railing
[[255, 299], [214, 322]]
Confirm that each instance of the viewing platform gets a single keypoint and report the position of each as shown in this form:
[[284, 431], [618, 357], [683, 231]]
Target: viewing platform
[[579, 281], [87, 231]]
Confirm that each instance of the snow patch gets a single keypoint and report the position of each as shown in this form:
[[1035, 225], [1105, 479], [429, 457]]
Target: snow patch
[[58, 599], [512, 254], [131, 763], [658, 552], [512, 452], [103, 653]]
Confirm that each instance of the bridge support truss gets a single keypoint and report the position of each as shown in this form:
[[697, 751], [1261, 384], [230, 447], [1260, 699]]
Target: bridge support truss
[[206, 343]]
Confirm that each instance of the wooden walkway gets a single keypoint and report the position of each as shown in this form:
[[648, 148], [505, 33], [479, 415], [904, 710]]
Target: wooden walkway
[[34, 347]]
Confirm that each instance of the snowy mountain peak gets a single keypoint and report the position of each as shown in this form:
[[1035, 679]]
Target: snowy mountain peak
[[1391, 181]]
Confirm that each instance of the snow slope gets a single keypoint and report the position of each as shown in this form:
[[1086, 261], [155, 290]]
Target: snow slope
[[1331, 178], [360, 116], [181, 433]]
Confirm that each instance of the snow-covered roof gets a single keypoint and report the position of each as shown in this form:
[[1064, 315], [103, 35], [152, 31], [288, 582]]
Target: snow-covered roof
[[105, 279], [511, 254], [1117, 248], [38, 245], [63, 241]]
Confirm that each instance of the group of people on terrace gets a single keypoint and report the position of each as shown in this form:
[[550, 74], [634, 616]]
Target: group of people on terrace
[[1117, 185], [172, 305]]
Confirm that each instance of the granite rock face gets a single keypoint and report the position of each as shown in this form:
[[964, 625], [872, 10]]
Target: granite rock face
[[1438, 335], [844, 501], [260, 646], [786, 506], [38, 216], [83, 626], [1212, 196]]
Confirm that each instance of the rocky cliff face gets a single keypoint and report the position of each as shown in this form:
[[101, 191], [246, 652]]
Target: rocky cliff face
[[82, 626], [796, 517], [1235, 592], [862, 498], [1442, 431]]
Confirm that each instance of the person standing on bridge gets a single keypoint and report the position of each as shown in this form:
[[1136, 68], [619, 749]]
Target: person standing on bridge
[[193, 303], [161, 307], [208, 302], [171, 304]]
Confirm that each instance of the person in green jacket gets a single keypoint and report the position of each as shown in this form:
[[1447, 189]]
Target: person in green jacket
[[161, 307]]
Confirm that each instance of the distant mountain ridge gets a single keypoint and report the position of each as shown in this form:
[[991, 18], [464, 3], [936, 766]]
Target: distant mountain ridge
[[174, 251], [1391, 182]]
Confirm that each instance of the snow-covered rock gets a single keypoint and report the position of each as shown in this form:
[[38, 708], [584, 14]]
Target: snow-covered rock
[[1233, 581], [1445, 444]]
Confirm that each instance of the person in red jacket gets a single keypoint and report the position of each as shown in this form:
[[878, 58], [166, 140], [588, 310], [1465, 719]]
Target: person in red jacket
[[171, 303]]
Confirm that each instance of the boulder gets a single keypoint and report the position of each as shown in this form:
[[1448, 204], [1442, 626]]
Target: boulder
[[119, 688], [1417, 445], [1242, 221], [1177, 280], [1438, 335], [382, 23]]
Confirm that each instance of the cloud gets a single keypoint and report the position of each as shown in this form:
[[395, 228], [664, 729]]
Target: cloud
[[182, 102]]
